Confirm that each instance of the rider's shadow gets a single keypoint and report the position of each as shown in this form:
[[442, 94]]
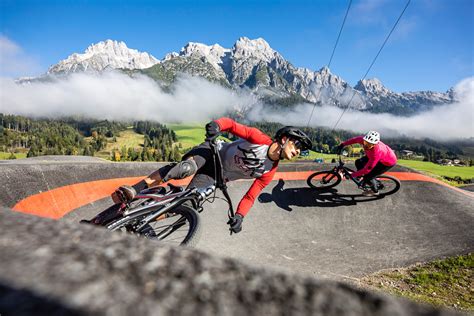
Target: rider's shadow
[[308, 197]]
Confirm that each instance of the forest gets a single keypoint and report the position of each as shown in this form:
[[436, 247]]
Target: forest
[[80, 136], [76, 136]]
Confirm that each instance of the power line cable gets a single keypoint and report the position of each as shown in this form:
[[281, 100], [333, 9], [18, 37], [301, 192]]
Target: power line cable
[[373, 62], [340, 32], [332, 55]]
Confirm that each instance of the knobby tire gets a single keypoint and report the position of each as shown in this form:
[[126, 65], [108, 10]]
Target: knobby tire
[[176, 217], [389, 182], [316, 180]]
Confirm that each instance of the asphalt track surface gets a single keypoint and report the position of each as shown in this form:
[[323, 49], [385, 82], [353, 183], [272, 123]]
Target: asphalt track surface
[[338, 234]]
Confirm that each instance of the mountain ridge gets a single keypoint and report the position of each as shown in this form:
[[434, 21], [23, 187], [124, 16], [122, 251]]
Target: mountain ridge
[[252, 64]]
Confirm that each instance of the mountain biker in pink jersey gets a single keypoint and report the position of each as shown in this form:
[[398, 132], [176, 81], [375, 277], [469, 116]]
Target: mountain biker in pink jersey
[[254, 155], [378, 159]]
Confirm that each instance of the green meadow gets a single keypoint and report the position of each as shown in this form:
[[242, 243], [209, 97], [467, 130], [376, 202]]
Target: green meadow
[[435, 170], [189, 135]]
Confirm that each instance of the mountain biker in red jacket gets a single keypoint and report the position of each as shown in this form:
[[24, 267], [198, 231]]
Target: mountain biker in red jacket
[[254, 155], [378, 159]]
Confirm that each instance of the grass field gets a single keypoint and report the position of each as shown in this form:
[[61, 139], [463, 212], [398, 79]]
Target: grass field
[[4, 155], [445, 282], [436, 170], [188, 135], [128, 138]]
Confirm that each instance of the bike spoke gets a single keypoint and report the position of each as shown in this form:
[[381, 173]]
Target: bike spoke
[[165, 230], [177, 226]]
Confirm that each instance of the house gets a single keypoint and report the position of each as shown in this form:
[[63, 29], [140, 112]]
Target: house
[[407, 153], [444, 162]]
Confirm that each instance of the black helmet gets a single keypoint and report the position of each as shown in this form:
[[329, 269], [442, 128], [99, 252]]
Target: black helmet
[[295, 134]]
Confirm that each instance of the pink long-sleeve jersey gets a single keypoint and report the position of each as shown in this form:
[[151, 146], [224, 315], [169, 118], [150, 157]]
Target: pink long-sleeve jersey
[[379, 153]]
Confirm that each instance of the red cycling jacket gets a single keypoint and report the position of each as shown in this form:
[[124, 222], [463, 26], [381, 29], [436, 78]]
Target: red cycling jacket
[[247, 158]]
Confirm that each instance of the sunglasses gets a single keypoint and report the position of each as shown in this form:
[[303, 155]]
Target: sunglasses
[[298, 144]]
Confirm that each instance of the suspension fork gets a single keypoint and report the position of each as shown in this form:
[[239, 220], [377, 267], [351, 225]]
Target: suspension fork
[[220, 183]]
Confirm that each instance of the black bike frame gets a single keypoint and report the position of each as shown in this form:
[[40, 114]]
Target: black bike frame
[[346, 172], [194, 195]]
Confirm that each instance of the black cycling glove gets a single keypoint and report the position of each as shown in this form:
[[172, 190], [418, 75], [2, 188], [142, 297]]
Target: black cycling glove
[[235, 223], [212, 129]]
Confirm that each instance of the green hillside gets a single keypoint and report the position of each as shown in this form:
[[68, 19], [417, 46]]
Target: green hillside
[[128, 138], [189, 135]]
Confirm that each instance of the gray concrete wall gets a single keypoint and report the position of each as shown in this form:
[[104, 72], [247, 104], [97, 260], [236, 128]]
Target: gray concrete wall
[[62, 268]]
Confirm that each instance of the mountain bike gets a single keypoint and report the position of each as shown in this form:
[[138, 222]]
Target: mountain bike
[[323, 180], [167, 214]]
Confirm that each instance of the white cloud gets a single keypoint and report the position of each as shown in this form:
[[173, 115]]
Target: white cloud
[[14, 62], [116, 96], [445, 122]]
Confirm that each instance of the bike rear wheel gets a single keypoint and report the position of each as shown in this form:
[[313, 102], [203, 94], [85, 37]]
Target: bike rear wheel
[[323, 180], [178, 226], [387, 185]]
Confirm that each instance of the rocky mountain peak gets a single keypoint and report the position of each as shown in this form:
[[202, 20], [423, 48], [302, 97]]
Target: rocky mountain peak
[[324, 77], [214, 54], [257, 48], [253, 64], [103, 55], [107, 47], [325, 71], [372, 86], [202, 49]]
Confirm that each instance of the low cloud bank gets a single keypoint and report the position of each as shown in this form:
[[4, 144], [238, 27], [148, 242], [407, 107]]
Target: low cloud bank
[[116, 96], [451, 121]]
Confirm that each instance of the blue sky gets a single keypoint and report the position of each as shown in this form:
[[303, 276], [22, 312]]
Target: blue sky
[[431, 49]]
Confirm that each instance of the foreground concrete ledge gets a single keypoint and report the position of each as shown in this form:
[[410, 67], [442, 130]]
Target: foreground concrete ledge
[[50, 267]]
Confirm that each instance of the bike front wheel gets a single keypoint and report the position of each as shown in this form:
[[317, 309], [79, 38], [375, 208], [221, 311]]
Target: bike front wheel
[[387, 185], [323, 180], [178, 226]]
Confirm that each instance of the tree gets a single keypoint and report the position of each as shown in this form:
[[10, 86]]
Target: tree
[[116, 155], [325, 148], [176, 155], [123, 154]]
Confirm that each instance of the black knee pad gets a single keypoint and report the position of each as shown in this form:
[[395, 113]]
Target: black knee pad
[[181, 170]]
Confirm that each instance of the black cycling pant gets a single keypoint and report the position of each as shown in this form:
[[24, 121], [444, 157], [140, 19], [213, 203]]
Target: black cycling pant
[[204, 158], [378, 169]]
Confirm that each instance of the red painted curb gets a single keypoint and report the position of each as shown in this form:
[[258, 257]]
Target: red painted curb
[[58, 202]]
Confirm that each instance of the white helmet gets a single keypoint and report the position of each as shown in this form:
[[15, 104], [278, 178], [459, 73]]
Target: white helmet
[[372, 137]]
